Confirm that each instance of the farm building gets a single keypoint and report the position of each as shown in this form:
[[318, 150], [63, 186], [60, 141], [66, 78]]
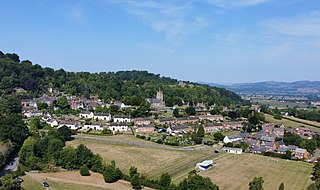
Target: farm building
[[205, 165], [232, 150]]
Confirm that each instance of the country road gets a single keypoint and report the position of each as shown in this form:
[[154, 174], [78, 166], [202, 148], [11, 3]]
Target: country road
[[197, 148]]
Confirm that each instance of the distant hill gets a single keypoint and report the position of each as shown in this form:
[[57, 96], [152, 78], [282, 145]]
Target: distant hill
[[131, 87], [275, 88]]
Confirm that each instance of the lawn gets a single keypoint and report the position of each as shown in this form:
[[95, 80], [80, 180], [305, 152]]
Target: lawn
[[236, 171], [289, 123], [151, 162]]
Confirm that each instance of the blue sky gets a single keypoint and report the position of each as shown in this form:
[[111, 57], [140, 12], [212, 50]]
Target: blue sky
[[220, 41]]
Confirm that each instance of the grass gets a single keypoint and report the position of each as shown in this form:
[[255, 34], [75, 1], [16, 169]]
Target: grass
[[288, 123], [71, 180], [151, 162], [274, 103], [236, 171]]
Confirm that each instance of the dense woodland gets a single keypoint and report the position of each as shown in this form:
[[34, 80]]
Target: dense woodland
[[122, 85]]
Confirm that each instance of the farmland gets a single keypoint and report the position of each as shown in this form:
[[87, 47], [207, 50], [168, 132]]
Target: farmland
[[236, 171], [291, 123], [150, 161]]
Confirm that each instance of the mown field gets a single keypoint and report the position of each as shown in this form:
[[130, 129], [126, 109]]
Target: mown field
[[278, 104], [293, 124], [151, 162], [70, 181], [236, 171]]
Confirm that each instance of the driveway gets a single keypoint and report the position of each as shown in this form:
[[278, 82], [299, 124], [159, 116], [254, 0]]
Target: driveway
[[12, 166]]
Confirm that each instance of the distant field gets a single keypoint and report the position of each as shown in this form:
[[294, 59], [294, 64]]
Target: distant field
[[151, 162], [70, 181], [289, 123], [278, 104], [236, 171]]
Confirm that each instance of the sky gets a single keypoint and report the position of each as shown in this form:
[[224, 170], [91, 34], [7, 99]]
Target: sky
[[219, 41]]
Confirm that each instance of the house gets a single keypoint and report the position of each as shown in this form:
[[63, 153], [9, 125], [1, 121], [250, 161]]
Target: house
[[283, 150], [70, 124], [167, 121], [145, 129], [179, 129], [233, 125], [301, 153], [86, 115], [142, 121], [119, 127], [121, 119], [211, 117], [205, 165], [213, 127], [278, 132], [102, 116], [232, 138], [182, 120], [25, 102], [259, 149], [33, 113], [268, 139], [93, 126], [232, 150], [52, 122]]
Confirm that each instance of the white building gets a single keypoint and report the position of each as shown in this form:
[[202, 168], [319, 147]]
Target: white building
[[205, 165], [93, 126], [232, 150], [102, 116], [86, 114], [69, 124], [52, 122], [118, 127], [29, 114], [121, 119]]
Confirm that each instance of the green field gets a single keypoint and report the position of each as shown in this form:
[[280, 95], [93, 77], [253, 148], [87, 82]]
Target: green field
[[274, 103], [151, 162], [236, 171], [289, 123]]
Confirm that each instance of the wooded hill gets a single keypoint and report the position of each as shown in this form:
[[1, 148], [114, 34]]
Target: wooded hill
[[131, 87]]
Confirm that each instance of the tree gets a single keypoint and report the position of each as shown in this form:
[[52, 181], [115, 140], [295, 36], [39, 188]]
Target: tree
[[281, 186], [190, 110], [256, 184], [65, 133], [200, 131], [254, 120], [133, 171], [165, 181], [176, 112], [218, 136], [197, 182], [84, 170], [278, 116], [8, 182], [135, 182], [62, 103]]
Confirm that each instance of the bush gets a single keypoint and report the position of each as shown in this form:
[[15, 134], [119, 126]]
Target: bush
[[84, 170], [106, 132], [135, 182], [278, 116]]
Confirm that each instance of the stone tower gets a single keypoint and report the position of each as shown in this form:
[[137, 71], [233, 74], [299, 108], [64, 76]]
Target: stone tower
[[159, 95]]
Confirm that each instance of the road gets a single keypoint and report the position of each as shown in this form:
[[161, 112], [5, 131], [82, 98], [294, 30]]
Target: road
[[11, 167], [196, 148]]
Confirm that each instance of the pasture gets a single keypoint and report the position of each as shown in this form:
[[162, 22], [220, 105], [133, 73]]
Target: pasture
[[289, 123], [236, 171]]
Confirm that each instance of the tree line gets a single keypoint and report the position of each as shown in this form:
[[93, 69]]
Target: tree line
[[131, 87]]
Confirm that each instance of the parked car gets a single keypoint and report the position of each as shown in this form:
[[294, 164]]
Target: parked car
[[45, 184]]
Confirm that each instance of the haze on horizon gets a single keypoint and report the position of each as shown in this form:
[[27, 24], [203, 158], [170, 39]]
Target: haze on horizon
[[219, 41]]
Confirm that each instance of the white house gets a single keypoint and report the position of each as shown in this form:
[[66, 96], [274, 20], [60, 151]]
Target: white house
[[205, 165], [52, 122], [93, 126], [86, 114], [232, 150], [34, 113], [234, 138], [118, 127], [121, 119], [102, 116], [70, 124]]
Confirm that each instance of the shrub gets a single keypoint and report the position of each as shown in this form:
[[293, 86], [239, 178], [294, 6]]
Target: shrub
[[84, 170]]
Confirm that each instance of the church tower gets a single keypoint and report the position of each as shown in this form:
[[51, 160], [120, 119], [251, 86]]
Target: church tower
[[159, 95]]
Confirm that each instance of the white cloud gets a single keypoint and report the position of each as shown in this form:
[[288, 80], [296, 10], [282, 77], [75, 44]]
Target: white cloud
[[168, 17], [234, 4], [304, 25]]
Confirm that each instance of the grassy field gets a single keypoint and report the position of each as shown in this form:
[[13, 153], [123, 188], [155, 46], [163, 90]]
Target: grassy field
[[236, 171], [151, 162], [278, 104], [70, 181], [289, 123]]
